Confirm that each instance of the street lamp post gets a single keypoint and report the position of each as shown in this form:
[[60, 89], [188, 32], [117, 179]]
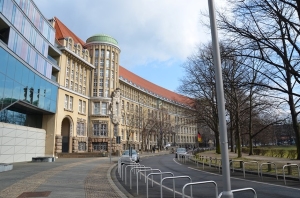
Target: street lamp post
[[221, 104]]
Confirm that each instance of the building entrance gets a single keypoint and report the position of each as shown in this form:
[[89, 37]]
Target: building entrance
[[65, 133]]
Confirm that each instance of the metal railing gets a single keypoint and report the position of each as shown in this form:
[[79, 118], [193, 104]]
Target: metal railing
[[177, 177], [250, 162], [268, 163], [195, 183], [239, 190], [161, 173], [288, 166]]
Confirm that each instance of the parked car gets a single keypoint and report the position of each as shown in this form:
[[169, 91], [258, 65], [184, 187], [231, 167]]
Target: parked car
[[126, 158], [180, 151]]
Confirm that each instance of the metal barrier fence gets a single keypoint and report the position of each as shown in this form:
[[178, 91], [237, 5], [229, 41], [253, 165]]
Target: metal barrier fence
[[239, 190], [195, 183], [288, 166], [177, 177]]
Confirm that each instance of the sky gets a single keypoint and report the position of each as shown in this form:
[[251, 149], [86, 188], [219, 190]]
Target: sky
[[155, 37]]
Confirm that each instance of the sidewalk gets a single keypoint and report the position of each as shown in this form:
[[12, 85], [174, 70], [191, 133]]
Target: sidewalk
[[75, 177]]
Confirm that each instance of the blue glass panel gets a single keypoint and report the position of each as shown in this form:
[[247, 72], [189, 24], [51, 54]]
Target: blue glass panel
[[48, 90], [19, 71], [41, 100], [11, 67], [53, 92], [8, 90], [53, 106], [1, 5], [17, 92], [25, 72], [3, 60], [47, 104], [30, 79], [2, 83]]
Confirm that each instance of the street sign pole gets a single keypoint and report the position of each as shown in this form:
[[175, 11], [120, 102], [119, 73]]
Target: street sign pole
[[221, 104]]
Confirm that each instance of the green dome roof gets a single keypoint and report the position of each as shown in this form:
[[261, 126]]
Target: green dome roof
[[102, 38]]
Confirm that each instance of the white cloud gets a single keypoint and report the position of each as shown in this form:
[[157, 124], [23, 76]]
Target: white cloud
[[147, 30]]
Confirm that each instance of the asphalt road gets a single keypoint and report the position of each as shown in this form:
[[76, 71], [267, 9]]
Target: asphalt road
[[269, 188]]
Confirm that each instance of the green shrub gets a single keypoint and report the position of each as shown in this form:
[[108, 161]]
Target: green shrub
[[292, 154], [264, 152], [281, 153]]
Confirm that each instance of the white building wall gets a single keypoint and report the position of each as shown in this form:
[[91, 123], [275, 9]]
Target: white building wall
[[20, 143]]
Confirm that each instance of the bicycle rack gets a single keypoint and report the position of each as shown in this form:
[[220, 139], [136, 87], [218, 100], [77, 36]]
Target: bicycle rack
[[204, 182], [177, 177], [239, 190], [232, 161], [250, 163], [284, 172], [161, 173], [123, 165], [126, 171], [137, 180], [268, 163], [137, 174]]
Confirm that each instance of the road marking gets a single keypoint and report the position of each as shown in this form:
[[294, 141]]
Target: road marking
[[247, 180], [176, 162]]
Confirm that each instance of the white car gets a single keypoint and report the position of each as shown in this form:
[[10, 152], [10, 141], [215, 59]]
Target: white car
[[126, 158]]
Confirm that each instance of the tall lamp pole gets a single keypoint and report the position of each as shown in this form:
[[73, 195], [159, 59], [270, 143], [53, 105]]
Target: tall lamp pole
[[221, 104]]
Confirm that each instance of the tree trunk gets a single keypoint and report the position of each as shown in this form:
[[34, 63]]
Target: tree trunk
[[218, 148]]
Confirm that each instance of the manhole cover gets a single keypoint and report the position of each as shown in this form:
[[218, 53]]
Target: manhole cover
[[34, 194]]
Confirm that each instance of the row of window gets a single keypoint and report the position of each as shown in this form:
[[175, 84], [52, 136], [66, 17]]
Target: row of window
[[100, 108], [69, 104], [35, 17], [76, 87], [101, 73], [107, 55], [108, 64], [77, 49]]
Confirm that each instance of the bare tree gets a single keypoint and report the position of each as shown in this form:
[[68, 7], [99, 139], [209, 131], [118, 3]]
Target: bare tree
[[268, 31]]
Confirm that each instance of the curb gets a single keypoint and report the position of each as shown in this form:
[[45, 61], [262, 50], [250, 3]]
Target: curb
[[112, 180]]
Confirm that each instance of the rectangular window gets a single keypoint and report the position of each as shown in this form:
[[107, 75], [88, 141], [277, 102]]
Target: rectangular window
[[95, 82], [96, 52], [107, 83], [83, 91], [103, 131], [81, 146], [113, 55], [103, 108], [96, 130], [107, 73], [71, 85], [101, 72], [83, 107], [72, 73], [66, 101], [106, 93], [68, 70], [101, 62], [80, 129], [107, 54], [80, 106], [102, 53], [76, 87], [71, 103], [94, 92], [80, 89], [122, 104], [96, 63], [97, 108], [101, 92], [107, 64], [101, 82], [67, 83]]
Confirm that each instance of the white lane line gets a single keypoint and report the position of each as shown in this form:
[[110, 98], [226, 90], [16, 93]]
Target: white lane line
[[176, 162], [247, 180]]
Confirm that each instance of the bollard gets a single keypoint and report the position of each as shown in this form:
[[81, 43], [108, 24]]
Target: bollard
[[289, 168]]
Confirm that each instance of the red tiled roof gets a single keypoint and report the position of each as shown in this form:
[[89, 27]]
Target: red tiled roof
[[126, 74], [63, 32]]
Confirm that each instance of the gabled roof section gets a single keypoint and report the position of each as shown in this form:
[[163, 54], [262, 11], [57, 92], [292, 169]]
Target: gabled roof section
[[149, 86], [63, 32]]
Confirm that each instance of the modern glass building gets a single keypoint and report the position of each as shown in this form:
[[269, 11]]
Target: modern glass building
[[28, 70]]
